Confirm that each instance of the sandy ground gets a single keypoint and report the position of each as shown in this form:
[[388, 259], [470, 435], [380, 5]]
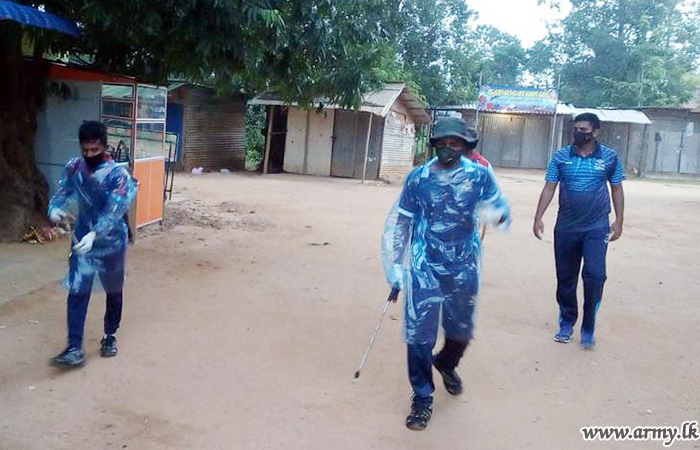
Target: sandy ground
[[245, 319]]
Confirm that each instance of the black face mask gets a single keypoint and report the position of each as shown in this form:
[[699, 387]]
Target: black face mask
[[94, 161], [446, 155], [582, 138]]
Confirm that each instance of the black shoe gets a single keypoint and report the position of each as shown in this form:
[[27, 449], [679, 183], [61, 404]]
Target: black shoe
[[419, 416], [71, 357], [108, 347], [452, 381]]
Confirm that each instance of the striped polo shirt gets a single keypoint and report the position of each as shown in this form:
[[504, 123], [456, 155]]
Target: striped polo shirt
[[584, 200]]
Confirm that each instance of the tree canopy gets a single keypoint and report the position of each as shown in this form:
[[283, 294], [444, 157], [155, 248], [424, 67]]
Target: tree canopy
[[622, 53], [300, 48], [439, 47], [608, 52]]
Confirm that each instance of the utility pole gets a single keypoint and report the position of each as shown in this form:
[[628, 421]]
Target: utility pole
[[641, 89], [476, 125]]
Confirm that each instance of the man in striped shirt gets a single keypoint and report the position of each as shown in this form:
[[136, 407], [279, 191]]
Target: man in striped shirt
[[582, 231]]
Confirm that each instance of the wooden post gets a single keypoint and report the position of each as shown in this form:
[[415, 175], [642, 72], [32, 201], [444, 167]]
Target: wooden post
[[369, 133], [643, 153], [305, 163], [560, 134], [554, 124], [268, 140], [553, 127], [476, 124]]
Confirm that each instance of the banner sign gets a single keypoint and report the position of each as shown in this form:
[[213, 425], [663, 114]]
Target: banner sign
[[517, 100]]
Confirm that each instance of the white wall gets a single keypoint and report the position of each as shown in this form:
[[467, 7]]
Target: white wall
[[295, 141], [318, 154], [320, 143], [398, 148], [57, 127]]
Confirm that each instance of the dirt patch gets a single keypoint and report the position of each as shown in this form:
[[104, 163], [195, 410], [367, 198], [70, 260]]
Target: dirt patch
[[266, 333], [193, 213], [197, 213]]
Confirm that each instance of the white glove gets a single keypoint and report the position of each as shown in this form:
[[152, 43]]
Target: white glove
[[397, 277], [494, 217], [57, 214], [85, 244]]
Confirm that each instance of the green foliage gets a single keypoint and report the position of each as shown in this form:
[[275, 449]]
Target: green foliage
[[301, 49], [254, 138], [502, 56], [622, 53], [608, 52], [439, 49]]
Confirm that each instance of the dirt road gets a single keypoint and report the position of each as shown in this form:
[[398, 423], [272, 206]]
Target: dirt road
[[244, 323]]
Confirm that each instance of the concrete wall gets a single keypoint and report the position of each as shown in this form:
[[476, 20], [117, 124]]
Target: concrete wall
[[57, 127]]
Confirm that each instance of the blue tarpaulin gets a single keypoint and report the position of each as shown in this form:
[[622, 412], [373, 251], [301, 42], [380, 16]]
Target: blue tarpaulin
[[31, 16]]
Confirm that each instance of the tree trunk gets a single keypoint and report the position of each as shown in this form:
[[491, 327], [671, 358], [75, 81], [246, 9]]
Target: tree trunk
[[23, 190]]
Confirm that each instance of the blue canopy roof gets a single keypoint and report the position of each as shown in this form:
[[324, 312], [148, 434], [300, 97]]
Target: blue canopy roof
[[32, 16]]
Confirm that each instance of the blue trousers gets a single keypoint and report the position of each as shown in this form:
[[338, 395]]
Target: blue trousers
[[111, 274], [570, 248], [458, 293], [420, 366], [77, 310]]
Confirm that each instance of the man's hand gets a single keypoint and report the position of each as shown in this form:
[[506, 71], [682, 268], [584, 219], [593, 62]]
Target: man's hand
[[615, 230], [85, 244], [538, 228], [545, 199], [57, 214], [394, 295]]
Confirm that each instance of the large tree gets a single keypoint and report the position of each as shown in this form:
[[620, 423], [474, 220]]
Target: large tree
[[302, 48], [502, 56], [428, 32], [440, 49], [622, 53]]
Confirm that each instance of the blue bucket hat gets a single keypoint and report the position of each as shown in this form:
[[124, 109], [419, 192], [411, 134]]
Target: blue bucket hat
[[453, 127]]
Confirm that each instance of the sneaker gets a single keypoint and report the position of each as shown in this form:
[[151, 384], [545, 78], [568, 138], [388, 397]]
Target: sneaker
[[564, 335], [419, 416], [108, 347], [587, 341], [70, 358], [452, 381]]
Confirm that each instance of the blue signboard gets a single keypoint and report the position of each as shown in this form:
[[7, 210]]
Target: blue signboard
[[517, 100]]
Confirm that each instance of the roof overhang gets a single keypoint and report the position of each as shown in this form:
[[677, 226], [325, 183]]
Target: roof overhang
[[26, 15], [606, 115], [378, 102]]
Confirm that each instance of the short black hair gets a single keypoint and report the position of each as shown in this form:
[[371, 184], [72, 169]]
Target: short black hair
[[590, 118], [92, 130]]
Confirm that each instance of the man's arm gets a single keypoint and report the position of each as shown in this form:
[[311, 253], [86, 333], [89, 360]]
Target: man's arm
[[616, 176], [545, 199], [618, 197], [397, 233], [122, 192], [65, 195]]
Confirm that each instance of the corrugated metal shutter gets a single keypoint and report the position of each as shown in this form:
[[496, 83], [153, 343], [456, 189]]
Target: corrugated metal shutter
[[397, 151], [616, 136], [535, 146], [501, 139], [214, 132]]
